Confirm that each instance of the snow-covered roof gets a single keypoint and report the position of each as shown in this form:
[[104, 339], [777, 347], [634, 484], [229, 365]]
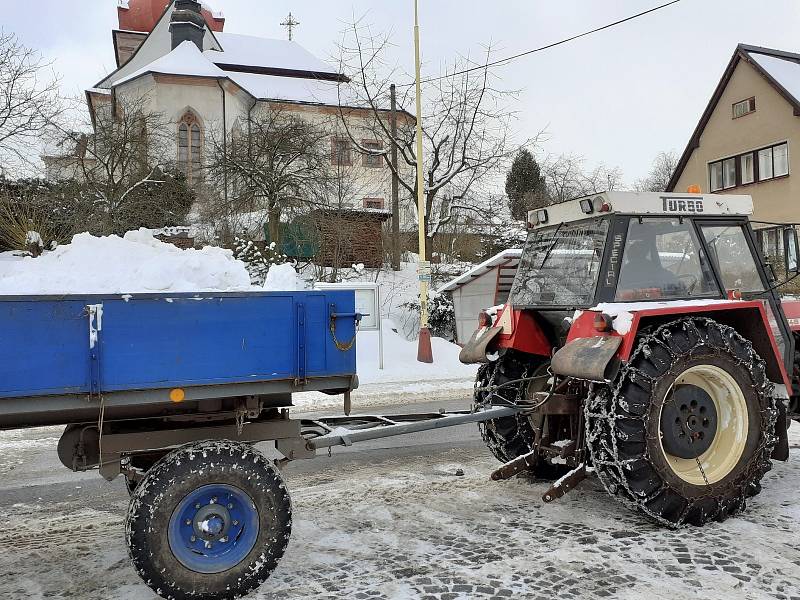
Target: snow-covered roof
[[255, 52], [295, 89], [785, 71], [186, 59], [506, 258]]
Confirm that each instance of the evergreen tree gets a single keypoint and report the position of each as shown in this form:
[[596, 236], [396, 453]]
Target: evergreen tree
[[525, 186], [256, 260]]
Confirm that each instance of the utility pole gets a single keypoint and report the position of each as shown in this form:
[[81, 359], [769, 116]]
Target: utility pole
[[395, 183], [424, 351]]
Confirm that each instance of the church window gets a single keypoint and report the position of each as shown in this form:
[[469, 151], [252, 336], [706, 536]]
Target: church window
[[190, 139]]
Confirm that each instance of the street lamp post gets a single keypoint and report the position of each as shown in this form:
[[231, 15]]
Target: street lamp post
[[424, 351]]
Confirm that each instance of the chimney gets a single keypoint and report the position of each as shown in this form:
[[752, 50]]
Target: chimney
[[187, 23]]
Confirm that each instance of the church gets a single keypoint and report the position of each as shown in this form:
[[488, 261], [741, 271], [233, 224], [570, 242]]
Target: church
[[178, 55]]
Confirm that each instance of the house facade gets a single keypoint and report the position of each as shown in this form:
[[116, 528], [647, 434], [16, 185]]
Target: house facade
[[748, 139], [208, 84]]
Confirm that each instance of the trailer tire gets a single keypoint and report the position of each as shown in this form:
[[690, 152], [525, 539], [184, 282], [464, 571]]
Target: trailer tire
[[209, 521], [510, 437], [687, 375]]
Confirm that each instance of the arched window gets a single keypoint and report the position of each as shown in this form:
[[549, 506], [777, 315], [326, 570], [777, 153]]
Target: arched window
[[190, 141]]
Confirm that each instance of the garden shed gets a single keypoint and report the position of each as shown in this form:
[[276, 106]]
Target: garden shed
[[483, 286]]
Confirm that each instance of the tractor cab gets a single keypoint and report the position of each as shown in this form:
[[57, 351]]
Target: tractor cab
[[629, 247]]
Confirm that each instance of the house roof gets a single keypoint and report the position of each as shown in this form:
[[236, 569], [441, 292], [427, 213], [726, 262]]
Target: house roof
[[269, 56], [506, 259], [781, 69]]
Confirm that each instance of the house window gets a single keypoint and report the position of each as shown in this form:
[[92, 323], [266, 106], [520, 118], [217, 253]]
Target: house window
[[744, 107], [341, 154], [374, 203], [748, 168], [773, 162], [190, 139], [743, 169], [372, 160]]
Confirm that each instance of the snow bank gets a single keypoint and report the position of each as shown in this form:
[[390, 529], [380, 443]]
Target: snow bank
[[281, 278], [400, 359], [135, 263]]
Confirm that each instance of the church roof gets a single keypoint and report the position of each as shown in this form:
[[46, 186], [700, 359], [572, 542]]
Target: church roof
[[268, 56], [186, 59], [290, 89]]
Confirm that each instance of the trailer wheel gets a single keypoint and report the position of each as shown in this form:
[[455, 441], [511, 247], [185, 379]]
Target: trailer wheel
[[209, 521], [510, 437], [686, 431]]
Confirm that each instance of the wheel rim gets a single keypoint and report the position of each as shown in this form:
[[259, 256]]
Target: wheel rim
[[213, 528], [732, 426]]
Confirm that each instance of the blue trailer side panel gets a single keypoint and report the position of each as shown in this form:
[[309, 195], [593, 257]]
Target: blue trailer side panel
[[163, 341]]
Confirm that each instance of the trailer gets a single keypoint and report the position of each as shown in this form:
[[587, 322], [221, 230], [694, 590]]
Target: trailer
[[171, 391]]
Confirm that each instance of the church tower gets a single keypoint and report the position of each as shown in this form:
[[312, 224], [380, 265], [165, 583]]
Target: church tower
[[137, 18]]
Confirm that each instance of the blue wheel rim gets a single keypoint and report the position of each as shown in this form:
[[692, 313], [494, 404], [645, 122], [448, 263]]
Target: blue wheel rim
[[213, 528]]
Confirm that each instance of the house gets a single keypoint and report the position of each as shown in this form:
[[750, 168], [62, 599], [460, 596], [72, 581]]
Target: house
[[486, 285], [209, 84], [748, 139]]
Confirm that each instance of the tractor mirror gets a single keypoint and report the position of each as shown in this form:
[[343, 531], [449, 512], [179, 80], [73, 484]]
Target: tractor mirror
[[790, 250]]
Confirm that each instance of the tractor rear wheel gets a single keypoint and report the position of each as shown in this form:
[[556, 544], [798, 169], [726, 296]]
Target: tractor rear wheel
[[510, 437], [686, 431]]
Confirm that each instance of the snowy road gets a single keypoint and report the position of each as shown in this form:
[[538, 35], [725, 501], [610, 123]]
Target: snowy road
[[397, 522]]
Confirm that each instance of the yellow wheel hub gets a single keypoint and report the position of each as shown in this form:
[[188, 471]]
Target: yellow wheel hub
[[732, 426]]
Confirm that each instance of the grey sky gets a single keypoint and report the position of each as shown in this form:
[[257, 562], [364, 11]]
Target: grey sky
[[617, 97]]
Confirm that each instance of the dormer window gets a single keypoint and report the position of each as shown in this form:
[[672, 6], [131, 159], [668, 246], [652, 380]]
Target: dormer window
[[744, 107]]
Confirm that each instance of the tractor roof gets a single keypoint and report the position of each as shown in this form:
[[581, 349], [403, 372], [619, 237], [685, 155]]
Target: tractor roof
[[641, 203]]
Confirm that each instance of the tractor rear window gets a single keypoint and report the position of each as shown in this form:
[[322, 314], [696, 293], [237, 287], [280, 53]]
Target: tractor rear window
[[559, 265], [663, 259]]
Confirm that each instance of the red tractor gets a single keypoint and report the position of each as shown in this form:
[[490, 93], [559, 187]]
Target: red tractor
[[644, 339]]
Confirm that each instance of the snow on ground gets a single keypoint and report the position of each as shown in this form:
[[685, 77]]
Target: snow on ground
[[400, 524], [403, 379]]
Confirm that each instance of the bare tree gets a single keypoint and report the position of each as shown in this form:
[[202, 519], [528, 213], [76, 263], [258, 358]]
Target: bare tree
[[657, 179], [466, 128], [28, 102], [566, 177], [280, 162], [124, 153]]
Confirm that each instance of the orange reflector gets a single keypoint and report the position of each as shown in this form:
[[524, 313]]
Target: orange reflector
[[177, 395], [694, 189], [603, 323]]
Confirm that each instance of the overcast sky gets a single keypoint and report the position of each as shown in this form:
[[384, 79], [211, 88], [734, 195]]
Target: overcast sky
[[617, 97]]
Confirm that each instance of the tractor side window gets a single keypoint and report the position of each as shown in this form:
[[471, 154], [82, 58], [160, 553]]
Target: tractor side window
[[733, 258], [663, 260]]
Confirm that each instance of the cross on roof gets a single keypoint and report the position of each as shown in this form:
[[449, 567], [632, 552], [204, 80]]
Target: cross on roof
[[290, 24]]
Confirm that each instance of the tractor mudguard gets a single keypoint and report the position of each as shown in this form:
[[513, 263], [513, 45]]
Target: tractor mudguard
[[592, 358], [474, 351]]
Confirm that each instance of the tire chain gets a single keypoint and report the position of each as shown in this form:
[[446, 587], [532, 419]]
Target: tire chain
[[484, 390], [603, 408]]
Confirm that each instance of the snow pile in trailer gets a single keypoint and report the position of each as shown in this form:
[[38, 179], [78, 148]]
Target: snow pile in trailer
[[135, 263]]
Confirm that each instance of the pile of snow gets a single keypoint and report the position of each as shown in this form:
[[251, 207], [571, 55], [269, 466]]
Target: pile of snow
[[135, 263], [281, 278]]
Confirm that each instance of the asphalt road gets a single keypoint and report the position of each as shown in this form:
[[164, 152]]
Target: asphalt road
[[30, 469]]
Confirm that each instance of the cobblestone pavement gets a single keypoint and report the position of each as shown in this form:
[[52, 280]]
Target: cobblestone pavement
[[410, 528]]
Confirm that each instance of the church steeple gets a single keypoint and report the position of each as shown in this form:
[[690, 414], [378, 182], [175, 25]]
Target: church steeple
[[187, 24], [142, 15]]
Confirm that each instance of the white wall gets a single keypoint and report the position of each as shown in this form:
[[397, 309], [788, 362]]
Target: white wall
[[469, 300]]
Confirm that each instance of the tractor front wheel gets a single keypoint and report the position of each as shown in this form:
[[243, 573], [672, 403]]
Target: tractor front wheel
[[686, 431], [507, 381]]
